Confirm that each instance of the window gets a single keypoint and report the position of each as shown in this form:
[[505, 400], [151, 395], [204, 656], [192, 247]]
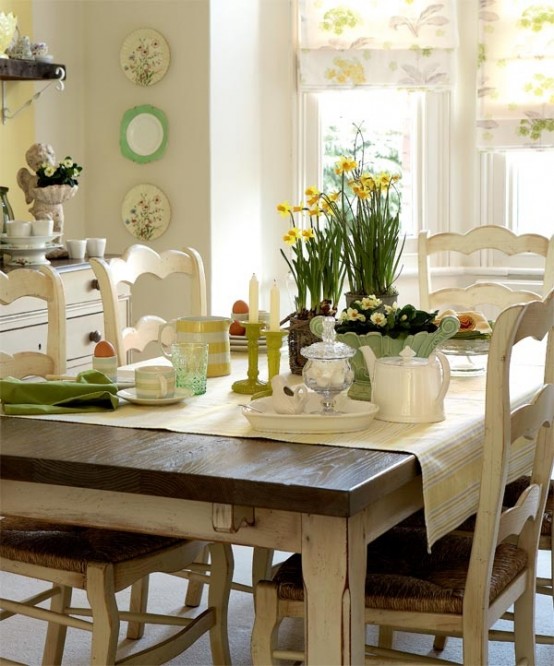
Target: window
[[404, 132]]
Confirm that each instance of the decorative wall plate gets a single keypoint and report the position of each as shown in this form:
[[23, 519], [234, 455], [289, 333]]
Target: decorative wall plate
[[146, 212], [144, 57], [143, 134]]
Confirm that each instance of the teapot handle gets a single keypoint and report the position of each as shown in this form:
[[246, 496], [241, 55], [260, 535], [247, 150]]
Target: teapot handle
[[445, 375]]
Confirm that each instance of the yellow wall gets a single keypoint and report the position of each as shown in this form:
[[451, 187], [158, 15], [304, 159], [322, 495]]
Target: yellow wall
[[18, 134]]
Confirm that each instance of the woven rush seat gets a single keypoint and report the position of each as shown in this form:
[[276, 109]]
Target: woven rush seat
[[70, 547], [432, 583]]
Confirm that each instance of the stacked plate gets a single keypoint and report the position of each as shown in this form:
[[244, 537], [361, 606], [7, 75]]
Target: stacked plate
[[28, 250]]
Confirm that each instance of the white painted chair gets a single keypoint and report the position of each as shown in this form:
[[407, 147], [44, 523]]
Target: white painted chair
[[43, 283], [138, 260], [465, 585], [103, 562], [488, 239]]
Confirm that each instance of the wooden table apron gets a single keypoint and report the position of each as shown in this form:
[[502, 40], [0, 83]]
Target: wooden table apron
[[325, 502]]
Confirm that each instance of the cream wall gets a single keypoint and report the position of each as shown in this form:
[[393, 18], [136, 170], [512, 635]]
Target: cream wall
[[228, 98]]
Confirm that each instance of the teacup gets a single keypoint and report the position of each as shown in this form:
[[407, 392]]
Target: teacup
[[155, 381], [76, 248], [213, 330], [96, 247], [42, 227], [18, 228]]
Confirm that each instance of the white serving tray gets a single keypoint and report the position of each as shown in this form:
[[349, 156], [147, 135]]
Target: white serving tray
[[354, 415]]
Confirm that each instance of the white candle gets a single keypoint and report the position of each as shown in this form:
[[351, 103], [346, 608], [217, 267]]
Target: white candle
[[253, 294], [274, 308]]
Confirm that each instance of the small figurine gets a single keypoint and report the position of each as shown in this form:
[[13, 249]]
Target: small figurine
[[47, 200]]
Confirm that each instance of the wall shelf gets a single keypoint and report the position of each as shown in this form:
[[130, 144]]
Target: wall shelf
[[28, 70], [12, 70]]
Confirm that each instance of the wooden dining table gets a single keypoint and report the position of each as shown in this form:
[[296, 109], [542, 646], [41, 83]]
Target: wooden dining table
[[325, 502]]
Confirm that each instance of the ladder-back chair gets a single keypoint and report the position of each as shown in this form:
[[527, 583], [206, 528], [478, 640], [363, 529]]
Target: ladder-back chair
[[486, 239], [45, 284], [138, 260], [467, 582]]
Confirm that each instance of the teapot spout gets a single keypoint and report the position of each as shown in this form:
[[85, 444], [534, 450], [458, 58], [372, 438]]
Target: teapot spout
[[369, 358]]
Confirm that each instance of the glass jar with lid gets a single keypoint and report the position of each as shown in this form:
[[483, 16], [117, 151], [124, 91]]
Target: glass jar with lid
[[7, 212]]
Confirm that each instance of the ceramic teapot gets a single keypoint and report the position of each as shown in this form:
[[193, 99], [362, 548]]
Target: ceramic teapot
[[408, 389]]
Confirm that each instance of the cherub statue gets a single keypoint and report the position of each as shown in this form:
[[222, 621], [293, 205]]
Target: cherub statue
[[47, 201], [38, 154]]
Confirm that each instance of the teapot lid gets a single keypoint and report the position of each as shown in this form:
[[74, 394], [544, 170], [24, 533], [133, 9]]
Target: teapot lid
[[328, 349], [407, 359]]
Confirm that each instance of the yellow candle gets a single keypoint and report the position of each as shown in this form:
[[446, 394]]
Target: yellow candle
[[274, 308], [253, 295]]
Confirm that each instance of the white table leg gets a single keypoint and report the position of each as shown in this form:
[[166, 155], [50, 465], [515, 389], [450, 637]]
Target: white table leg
[[333, 566]]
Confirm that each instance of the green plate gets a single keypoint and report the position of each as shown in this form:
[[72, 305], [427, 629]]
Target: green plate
[[143, 134]]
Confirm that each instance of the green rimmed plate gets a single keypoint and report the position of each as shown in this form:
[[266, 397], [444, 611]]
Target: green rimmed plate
[[143, 134]]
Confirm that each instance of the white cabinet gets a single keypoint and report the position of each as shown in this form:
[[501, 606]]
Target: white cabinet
[[23, 323]]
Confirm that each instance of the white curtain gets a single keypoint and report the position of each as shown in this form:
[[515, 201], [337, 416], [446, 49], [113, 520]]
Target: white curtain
[[516, 74], [397, 43]]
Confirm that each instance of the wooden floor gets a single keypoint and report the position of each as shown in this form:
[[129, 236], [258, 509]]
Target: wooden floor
[[166, 592]]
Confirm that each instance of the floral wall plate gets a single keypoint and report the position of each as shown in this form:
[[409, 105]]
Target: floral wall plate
[[144, 57], [145, 212], [143, 134]]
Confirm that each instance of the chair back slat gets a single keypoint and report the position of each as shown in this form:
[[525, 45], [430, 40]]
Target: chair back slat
[[482, 239], [136, 261], [45, 284]]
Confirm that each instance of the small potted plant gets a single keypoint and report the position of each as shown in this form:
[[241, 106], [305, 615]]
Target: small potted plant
[[367, 208], [315, 266], [387, 329]]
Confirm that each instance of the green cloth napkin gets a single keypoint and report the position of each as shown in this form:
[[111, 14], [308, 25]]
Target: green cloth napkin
[[91, 392]]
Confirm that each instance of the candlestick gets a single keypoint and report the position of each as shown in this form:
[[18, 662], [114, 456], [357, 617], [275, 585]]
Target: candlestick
[[252, 384], [253, 295], [274, 308]]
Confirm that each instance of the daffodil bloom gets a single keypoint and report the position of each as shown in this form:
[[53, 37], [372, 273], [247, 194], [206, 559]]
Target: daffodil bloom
[[284, 209], [290, 239], [307, 234], [313, 195], [344, 165]]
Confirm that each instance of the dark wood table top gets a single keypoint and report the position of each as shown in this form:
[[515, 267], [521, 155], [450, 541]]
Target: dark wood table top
[[326, 480]]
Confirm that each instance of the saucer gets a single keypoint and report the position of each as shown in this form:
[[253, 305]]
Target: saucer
[[131, 396]]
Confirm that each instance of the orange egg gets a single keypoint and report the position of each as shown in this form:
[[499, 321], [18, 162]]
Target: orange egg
[[237, 329], [240, 307], [104, 349]]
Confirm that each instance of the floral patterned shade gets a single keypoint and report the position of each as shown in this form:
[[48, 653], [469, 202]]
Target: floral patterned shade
[[345, 43], [516, 74]]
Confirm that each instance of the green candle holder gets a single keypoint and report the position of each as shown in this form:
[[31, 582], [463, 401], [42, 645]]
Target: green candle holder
[[274, 340], [252, 384]]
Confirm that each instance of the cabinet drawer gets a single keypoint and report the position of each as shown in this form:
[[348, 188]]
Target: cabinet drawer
[[79, 330]]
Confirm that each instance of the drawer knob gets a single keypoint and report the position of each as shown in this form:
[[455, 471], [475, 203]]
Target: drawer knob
[[95, 284], [95, 336]]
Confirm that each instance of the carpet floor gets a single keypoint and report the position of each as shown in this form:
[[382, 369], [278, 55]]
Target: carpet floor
[[22, 639]]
